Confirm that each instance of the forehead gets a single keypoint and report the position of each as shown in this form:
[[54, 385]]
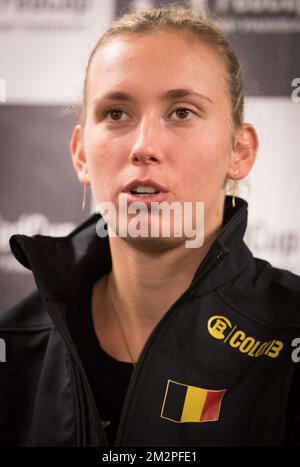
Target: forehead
[[155, 61]]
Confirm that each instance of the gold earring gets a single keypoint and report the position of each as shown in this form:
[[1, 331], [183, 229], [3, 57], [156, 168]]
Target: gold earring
[[234, 190], [85, 182]]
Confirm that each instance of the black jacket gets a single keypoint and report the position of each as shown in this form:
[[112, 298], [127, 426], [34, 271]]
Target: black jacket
[[216, 371]]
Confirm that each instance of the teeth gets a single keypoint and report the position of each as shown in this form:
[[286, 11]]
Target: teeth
[[145, 189]]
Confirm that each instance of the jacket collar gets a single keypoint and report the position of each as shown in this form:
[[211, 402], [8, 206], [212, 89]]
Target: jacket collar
[[61, 263]]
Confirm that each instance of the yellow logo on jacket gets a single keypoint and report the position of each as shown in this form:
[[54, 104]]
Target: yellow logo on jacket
[[190, 404], [221, 328]]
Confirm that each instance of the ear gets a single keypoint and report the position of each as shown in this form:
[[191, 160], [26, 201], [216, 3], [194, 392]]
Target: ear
[[78, 154], [243, 155]]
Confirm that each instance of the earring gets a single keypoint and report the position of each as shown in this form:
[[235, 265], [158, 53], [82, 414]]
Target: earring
[[234, 190], [85, 182]]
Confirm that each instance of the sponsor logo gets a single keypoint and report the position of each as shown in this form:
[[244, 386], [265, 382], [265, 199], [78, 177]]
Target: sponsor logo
[[190, 404], [221, 328]]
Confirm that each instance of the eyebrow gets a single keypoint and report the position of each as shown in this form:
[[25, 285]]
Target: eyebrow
[[171, 94]]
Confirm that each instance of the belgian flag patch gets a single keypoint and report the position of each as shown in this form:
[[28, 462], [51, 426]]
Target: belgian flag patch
[[183, 403]]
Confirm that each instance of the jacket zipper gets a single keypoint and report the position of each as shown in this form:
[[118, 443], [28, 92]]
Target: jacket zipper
[[81, 438], [82, 385], [221, 253]]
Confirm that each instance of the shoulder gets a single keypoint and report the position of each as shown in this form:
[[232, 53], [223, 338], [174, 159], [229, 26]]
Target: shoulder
[[280, 281], [28, 314], [266, 294]]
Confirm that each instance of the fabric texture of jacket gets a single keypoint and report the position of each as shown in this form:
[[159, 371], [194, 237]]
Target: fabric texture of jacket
[[219, 369]]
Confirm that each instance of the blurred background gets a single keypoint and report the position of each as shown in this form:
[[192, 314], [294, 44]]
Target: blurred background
[[44, 48]]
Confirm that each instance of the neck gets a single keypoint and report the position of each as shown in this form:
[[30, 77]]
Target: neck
[[144, 282]]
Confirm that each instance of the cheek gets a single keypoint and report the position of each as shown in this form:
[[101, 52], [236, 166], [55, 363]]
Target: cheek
[[207, 162], [210, 152], [104, 163], [103, 155]]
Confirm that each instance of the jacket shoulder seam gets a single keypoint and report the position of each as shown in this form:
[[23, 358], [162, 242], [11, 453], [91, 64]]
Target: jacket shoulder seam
[[255, 321]]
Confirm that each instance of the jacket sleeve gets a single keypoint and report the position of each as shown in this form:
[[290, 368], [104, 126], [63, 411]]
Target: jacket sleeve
[[25, 331], [293, 413]]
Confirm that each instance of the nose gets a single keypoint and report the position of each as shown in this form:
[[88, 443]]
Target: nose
[[147, 147]]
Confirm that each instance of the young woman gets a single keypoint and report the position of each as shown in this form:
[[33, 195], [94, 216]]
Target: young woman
[[139, 340]]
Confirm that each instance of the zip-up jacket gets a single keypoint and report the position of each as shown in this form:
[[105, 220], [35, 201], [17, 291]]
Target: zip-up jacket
[[219, 369]]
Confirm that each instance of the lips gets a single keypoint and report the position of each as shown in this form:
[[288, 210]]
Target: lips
[[147, 198], [148, 181]]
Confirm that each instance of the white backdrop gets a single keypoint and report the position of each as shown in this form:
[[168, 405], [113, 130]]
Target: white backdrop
[[274, 199]]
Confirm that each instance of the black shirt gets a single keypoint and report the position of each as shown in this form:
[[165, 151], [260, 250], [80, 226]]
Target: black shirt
[[108, 377]]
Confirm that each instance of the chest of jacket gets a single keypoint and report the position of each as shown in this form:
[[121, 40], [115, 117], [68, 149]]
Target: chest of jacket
[[206, 377]]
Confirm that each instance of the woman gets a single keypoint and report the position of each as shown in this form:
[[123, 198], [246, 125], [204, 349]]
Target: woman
[[139, 340]]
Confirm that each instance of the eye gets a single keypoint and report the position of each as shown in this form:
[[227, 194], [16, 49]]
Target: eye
[[181, 112], [114, 113]]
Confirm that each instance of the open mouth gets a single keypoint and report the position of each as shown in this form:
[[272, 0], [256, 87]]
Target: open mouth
[[144, 190]]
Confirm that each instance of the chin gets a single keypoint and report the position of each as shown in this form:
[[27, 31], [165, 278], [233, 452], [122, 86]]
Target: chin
[[154, 243]]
